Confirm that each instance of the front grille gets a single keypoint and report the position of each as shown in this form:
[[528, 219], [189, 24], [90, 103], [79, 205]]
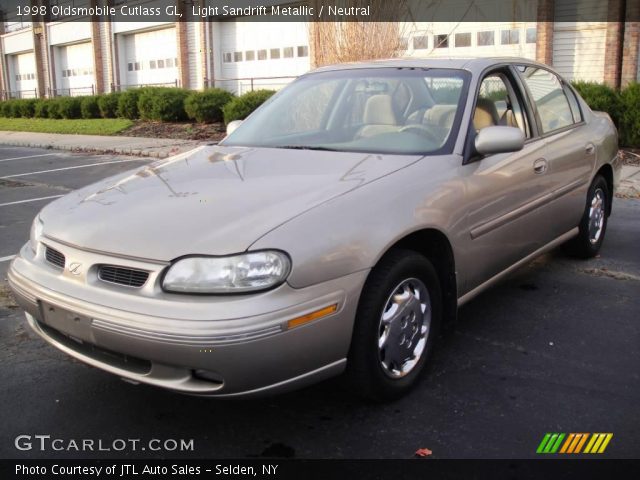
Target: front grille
[[54, 257], [128, 277]]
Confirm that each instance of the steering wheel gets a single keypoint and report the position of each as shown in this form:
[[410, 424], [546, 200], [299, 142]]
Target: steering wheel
[[421, 130]]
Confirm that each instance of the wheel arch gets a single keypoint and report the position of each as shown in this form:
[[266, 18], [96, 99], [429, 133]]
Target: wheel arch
[[435, 246], [606, 171]]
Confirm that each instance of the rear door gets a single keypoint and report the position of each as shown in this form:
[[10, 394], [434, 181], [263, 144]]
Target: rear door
[[570, 150]]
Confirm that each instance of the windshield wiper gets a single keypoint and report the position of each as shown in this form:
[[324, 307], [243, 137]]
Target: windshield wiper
[[305, 147]]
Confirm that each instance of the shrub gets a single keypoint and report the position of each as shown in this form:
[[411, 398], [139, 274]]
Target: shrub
[[4, 108], [128, 104], [41, 109], [206, 107], [602, 98], [146, 96], [26, 107], [108, 105], [89, 107], [54, 108], [241, 107], [630, 117], [10, 108], [70, 107], [163, 104]]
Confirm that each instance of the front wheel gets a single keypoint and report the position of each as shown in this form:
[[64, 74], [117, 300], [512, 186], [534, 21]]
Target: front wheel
[[397, 322], [593, 224]]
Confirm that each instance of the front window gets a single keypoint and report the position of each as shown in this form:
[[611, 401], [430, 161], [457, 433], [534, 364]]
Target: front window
[[385, 110]]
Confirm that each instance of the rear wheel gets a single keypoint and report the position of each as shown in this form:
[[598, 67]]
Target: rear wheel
[[593, 224], [397, 322]]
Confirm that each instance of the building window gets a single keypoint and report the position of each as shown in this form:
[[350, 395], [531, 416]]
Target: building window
[[303, 51], [441, 41], [420, 43], [130, 67], [274, 53], [510, 37], [287, 52], [237, 56], [486, 38], [137, 66], [161, 63], [152, 64], [532, 34], [463, 39], [226, 58], [169, 62], [403, 44], [250, 55]]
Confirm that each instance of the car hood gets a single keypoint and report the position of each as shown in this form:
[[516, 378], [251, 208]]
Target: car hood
[[213, 200]]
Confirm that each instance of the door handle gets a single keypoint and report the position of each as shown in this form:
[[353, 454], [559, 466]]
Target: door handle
[[540, 166], [589, 149]]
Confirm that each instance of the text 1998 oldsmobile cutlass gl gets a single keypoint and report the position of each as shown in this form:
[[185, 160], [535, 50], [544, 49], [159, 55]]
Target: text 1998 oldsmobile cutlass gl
[[336, 230]]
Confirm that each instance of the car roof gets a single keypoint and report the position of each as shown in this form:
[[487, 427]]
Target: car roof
[[472, 64]]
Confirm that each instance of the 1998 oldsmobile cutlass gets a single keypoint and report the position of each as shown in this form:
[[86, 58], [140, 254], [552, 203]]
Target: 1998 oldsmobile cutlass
[[336, 230]]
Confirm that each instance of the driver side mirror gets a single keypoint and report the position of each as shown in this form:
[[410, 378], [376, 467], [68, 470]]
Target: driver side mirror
[[232, 126], [491, 140]]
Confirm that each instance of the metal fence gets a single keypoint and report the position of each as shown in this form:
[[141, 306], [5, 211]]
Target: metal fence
[[242, 85], [71, 92], [122, 88], [8, 95]]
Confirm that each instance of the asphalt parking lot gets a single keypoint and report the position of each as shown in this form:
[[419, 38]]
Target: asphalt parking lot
[[555, 348]]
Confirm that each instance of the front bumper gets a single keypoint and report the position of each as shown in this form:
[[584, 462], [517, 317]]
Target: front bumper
[[205, 345]]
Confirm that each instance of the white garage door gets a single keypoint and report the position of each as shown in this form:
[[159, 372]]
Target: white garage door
[[23, 77], [579, 47], [150, 58], [262, 49], [75, 69]]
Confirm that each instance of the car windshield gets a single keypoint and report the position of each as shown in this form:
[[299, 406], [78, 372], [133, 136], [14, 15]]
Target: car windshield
[[376, 110]]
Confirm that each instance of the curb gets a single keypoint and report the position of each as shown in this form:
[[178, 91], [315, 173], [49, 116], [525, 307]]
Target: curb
[[136, 152]]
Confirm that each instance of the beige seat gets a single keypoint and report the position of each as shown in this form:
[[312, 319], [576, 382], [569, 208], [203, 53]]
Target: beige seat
[[379, 116], [508, 119], [485, 115], [441, 116]]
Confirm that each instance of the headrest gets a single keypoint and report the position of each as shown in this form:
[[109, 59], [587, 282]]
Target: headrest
[[485, 114], [379, 111]]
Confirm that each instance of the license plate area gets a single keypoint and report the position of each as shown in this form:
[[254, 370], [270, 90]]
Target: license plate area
[[76, 326]]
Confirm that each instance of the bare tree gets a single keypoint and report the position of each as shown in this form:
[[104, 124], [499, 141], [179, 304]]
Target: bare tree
[[351, 41]]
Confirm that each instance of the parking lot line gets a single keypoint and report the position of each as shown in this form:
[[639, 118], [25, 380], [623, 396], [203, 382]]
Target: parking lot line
[[70, 168], [6, 259], [27, 156], [30, 200]]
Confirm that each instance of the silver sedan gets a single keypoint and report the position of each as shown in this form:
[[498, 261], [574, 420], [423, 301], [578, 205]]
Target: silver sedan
[[336, 230]]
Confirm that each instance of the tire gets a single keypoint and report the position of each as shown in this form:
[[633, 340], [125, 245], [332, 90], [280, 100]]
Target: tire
[[398, 283], [593, 224]]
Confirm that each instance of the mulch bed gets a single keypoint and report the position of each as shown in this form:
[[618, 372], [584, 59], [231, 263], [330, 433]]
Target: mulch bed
[[630, 156], [179, 131]]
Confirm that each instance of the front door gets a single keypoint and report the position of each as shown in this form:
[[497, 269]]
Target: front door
[[502, 190]]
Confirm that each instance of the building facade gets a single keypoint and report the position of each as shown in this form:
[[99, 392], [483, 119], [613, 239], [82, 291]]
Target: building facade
[[45, 59]]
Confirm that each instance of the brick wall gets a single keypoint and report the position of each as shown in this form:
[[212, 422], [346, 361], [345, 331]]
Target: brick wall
[[631, 47], [613, 43], [183, 48], [544, 43]]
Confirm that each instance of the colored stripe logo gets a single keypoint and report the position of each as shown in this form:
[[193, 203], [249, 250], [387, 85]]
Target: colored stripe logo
[[574, 443]]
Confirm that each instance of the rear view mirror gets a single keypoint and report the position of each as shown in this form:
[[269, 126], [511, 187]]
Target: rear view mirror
[[232, 126], [492, 140]]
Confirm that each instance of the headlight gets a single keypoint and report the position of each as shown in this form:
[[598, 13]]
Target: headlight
[[36, 233], [246, 272]]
